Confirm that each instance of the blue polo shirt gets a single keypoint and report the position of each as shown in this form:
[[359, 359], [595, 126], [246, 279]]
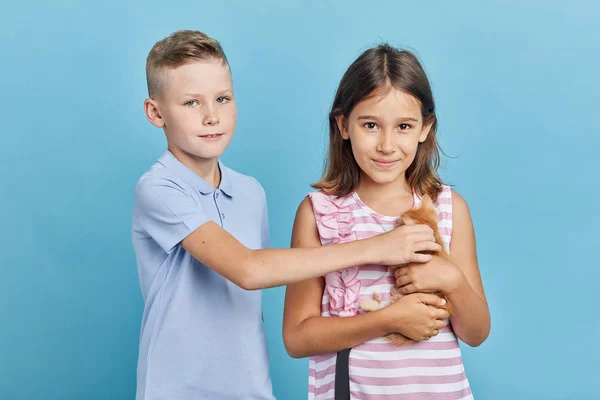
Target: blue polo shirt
[[202, 337]]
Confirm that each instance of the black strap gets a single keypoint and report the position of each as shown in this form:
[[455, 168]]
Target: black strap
[[342, 375]]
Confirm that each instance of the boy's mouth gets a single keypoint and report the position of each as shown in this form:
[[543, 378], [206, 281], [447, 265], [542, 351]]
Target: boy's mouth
[[212, 137]]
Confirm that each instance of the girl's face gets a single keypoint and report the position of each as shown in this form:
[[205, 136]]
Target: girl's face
[[384, 132]]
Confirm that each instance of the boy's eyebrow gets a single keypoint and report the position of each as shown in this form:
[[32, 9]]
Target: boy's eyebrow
[[374, 117], [201, 95]]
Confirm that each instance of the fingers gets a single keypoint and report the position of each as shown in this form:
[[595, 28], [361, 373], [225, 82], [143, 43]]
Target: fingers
[[419, 236], [422, 236], [400, 271], [439, 325], [420, 258], [402, 280], [407, 289], [440, 314], [417, 228], [437, 328], [426, 245], [431, 334], [432, 300]]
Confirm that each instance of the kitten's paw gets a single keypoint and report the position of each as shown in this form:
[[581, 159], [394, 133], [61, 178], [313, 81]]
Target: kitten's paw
[[370, 305]]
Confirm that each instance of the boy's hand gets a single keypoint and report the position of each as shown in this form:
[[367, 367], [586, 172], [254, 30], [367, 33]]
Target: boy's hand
[[436, 275], [405, 245], [416, 316]]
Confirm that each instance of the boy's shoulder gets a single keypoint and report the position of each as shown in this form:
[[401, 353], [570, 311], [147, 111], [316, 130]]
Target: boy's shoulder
[[242, 183], [158, 176], [239, 177]]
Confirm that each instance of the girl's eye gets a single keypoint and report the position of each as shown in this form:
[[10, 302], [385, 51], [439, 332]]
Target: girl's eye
[[222, 99], [370, 125], [191, 103], [404, 127]]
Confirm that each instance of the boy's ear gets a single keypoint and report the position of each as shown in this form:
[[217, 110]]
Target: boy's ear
[[152, 110], [341, 124]]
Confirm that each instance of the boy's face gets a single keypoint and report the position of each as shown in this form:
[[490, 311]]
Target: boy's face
[[196, 108]]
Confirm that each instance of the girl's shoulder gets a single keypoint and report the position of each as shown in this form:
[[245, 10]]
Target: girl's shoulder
[[324, 203]]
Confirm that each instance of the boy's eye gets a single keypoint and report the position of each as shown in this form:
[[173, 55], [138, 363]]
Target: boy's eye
[[370, 125], [191, 103], [222, 99]]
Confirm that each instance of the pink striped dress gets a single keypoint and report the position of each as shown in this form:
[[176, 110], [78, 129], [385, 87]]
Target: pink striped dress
[[429, 370]]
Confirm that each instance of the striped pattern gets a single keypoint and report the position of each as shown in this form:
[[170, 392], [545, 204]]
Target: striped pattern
[[430, 370]]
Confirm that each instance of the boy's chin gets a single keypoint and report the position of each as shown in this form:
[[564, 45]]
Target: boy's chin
[[208, 155], [200, 154]]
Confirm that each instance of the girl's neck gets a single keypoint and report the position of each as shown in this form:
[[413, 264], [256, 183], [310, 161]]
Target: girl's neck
[[390, 199]]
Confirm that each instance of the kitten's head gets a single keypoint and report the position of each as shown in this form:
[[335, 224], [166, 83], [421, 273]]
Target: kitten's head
[[426, 214]]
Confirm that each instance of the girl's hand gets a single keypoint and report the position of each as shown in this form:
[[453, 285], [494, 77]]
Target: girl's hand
[[416, 316], [437, 275]]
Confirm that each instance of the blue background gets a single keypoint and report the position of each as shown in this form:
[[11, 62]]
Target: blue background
[[517, 88]]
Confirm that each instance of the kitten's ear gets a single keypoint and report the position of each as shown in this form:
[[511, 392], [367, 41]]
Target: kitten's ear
[[400, 221], [426, 202]]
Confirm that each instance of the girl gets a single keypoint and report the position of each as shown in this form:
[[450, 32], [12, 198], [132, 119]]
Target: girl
[[383, 157]]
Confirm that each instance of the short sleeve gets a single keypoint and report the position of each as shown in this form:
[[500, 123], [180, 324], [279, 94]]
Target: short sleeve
[[166, 212], [264, 229]]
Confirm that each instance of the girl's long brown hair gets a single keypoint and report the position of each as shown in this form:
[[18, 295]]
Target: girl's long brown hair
[[374, 70]]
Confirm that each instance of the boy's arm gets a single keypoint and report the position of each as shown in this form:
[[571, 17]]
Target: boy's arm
[[167, 213], [256, 269], [306, 333]]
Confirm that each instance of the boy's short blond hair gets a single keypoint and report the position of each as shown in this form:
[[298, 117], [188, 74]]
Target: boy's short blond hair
[[175, 50]]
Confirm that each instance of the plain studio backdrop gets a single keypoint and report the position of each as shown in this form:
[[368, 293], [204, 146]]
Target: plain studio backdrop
[[517, 89]]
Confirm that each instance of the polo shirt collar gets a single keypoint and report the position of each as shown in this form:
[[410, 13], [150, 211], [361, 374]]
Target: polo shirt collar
[[169, 161]]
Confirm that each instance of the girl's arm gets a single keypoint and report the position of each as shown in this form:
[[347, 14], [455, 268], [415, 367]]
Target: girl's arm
[[459, 279], [471, 319], [306, 333]]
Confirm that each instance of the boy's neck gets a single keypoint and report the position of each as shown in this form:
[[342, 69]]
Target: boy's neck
[[205, 168]]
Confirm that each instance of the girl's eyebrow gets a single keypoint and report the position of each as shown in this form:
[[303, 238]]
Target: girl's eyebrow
[[373, 117]]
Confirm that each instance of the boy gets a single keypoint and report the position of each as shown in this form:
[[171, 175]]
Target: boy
[[200, 233]]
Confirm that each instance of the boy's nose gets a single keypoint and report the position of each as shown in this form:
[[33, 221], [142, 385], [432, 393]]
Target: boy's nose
[[211, 119]]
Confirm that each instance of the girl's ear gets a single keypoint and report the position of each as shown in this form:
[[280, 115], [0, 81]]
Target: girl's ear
[[425, 131], [342, 127]]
